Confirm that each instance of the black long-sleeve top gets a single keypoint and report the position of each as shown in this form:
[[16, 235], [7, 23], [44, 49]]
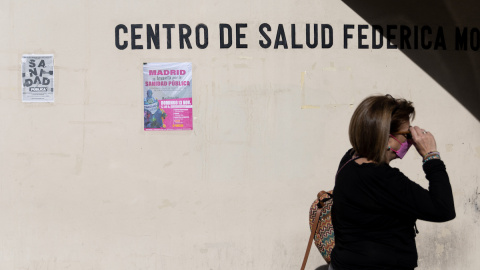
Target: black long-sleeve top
[[374, 212]]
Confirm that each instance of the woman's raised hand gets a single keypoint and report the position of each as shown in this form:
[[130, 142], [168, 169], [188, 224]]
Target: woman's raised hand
[[423, 141]]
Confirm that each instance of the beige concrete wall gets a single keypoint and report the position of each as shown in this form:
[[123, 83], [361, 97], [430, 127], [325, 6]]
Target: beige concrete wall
[[82, 186]]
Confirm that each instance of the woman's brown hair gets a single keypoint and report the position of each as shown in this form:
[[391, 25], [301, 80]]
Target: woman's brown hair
[[374, 119]]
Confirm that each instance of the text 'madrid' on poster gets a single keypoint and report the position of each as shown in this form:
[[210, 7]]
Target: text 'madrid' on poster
[[167, 92], [37, 78]]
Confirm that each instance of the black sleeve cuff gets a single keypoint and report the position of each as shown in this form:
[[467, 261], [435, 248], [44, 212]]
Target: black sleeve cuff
[[433, 165]]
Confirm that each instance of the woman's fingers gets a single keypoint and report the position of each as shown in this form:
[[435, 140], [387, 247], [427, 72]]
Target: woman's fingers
[[413, 130], [423, 140]]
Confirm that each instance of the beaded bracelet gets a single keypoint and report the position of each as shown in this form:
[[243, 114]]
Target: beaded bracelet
[[430, 153], [436, 156]]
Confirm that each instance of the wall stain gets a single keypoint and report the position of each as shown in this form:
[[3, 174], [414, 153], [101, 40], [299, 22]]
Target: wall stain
[[473, 203], [438, 250], [165, 204], [330, 68], [240, 66], [449, 147], [302, 85], [90, 122], [78, 165], [474, 200], [310, 107]]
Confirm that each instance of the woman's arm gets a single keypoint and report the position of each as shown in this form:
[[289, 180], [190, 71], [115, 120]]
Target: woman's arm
[[401, 196]]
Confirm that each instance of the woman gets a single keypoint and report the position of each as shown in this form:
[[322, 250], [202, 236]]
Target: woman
[[376, 206]]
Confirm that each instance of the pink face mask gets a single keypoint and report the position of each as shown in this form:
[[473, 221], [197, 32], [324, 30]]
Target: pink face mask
[[403, 147]]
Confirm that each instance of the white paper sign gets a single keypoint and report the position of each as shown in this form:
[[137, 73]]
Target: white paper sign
[[37, 78]]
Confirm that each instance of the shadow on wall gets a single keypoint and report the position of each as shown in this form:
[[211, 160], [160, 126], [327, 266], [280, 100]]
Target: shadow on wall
[[323, 267], [416, 27]]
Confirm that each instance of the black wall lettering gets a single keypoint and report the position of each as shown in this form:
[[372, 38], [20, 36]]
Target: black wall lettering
[[42, 63], [377, 29], [169, 34], [326, 45], [346, 35], [315, 36], [134, 36], [239, 35], [124, 45], [415, 37], [474, 39], [294, 44], [280, 39], [228, 44], [268, 41], [391, 36], [396, 36], [426, 45], [440, 39], [461, 39], [205, 36], [184, 37], [153, 36], [361, 36], [405, 34]]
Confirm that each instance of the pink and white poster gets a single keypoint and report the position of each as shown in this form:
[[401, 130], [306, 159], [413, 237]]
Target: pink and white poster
[[167, 92]]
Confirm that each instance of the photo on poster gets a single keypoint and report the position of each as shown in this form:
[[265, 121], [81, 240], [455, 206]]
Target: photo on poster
[[37, 78], [167, 92]]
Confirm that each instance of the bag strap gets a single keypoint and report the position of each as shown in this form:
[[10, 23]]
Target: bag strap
[[315, 223], [312, 235], [353, 158]]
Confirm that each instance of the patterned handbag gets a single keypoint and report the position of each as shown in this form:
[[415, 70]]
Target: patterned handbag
[[321, 226]]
